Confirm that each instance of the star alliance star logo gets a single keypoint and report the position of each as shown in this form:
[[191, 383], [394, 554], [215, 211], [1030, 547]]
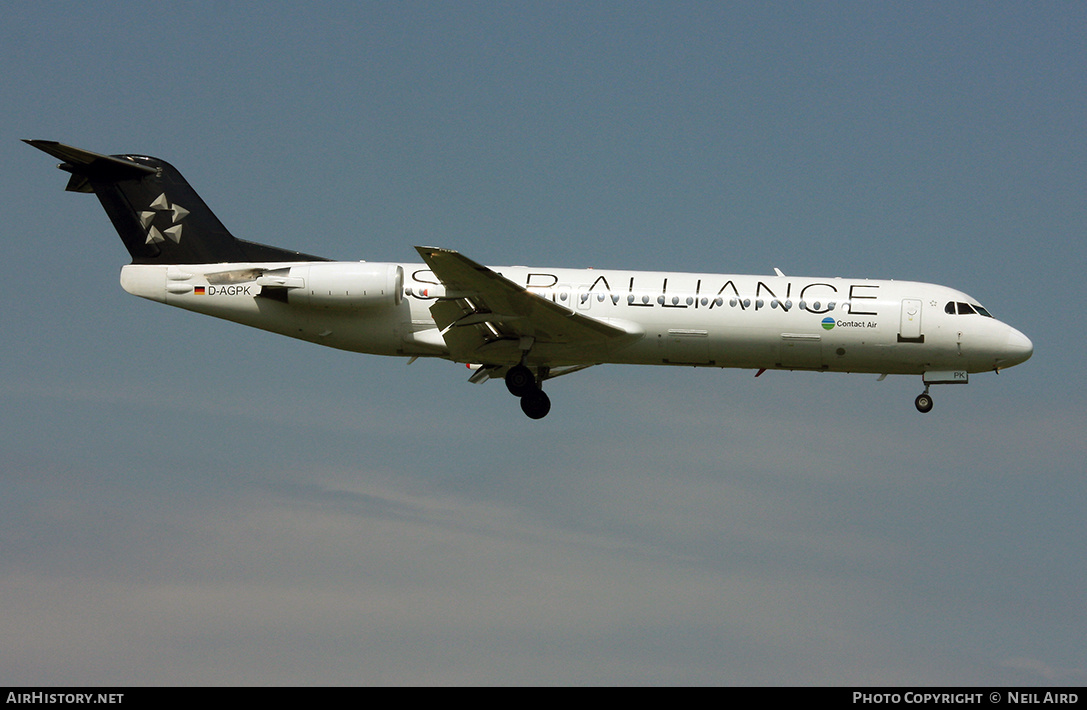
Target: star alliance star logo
[[173, 232]]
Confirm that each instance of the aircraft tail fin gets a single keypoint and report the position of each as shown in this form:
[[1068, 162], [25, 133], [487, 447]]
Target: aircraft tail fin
[[158, 215]]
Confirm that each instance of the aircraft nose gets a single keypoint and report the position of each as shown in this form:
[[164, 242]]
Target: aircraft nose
[[1017, 348]]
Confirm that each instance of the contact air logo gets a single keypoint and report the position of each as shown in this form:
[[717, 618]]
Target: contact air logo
[[828, 323]]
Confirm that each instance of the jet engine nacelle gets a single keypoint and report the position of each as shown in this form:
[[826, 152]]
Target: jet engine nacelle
[[348, 285]]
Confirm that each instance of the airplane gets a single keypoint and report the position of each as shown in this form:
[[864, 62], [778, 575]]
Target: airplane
[[526, 325]]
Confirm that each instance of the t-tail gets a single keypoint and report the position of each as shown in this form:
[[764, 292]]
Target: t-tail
[[159, 216]]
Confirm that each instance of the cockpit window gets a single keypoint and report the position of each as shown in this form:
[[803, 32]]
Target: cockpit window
[[965, 309]]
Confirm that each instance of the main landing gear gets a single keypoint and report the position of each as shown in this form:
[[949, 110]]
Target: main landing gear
[[522, 383], [923, 402]]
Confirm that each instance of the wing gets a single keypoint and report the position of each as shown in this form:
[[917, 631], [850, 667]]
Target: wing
[[486, 318]]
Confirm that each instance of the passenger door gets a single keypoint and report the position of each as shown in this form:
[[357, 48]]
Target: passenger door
[[909, 330]]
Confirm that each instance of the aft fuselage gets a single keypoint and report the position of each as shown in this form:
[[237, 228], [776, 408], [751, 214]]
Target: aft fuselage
[[702, 320]]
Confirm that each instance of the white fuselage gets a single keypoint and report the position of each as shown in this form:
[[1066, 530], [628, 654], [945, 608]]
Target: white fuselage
[[710, 320]]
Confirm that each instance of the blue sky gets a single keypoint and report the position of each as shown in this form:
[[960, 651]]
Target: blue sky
[[190, 502]]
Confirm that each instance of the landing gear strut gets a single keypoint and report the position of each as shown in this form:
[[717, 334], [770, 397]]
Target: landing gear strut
[[522, 383]]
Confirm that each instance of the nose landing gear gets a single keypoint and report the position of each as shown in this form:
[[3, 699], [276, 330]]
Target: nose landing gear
[[923, 402], [938, 377]]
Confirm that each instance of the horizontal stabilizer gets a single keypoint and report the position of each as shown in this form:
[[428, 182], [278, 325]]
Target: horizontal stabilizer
[[84, 164]]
